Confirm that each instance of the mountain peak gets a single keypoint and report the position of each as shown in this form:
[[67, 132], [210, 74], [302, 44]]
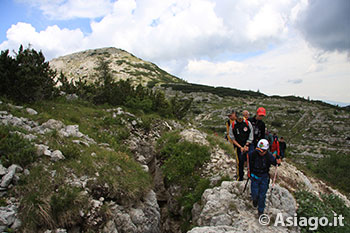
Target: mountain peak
[[123, 66]]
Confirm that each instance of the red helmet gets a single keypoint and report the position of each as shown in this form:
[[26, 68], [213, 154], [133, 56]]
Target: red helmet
[[261, 111]]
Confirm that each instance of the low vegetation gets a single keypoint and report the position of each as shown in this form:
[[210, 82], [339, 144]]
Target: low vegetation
[[330, 207], [330, 168], [181, 165], [14, 149], [47, 199]]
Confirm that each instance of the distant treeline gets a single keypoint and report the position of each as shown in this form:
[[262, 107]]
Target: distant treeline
[[297, 98], [231, 92], [220, 91]]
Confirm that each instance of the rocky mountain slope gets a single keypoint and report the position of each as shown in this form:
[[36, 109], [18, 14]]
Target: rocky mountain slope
[[123, 65], [91, 168], [312, 129], [223, 208]]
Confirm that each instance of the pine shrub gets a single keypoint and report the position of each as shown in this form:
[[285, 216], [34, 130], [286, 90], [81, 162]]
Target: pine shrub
[[14, 149], [27, 77]]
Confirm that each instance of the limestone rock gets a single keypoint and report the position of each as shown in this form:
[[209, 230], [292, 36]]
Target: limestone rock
[[225, 208], [195, 136], [142, 218], [31, 111], [11, 171], [3, 170], [57, 155]]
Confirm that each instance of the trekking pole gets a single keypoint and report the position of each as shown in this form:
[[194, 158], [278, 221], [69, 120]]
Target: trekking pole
[[248, 174], [274, 178], [273, 183], [246, 183]]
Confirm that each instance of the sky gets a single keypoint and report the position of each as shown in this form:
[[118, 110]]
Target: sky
[[279, 47]]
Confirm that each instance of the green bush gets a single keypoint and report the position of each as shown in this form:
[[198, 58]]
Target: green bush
[[26, 78], [277, 123], [182, 162], [185, 159], [70, 151], [47, 203], [14, 149], [334, 168], [293, 111], [120, 178], [140, 104], [190, 198], [311, 206], [65, 205], [180, 107], [181, 158]]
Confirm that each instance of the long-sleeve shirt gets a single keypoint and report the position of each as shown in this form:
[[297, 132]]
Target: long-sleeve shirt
[[242, 141], [228, 126]]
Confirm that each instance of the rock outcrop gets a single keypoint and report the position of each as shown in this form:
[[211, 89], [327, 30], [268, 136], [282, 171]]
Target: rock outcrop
[[227, 209]]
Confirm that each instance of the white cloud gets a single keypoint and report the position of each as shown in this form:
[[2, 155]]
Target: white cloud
[[274, 71], [180, 29], [53, 41], [215, 69], [177, 29]]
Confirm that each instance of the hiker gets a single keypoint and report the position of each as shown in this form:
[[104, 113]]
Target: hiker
[[258, 126], [268, 137], [283, 147], [275, 147], [241, 134], [260, 161], [245, 114], [231, 117]]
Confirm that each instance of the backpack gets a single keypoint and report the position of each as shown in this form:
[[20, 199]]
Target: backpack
[[233, 123], [275, 147]]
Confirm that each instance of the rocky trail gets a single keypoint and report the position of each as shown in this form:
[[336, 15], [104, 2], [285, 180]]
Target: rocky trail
[[222, 209]]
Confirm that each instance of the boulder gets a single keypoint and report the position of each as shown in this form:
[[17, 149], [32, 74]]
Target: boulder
[[57, 155], [142, 218], [226, 209], [11, 171], [195, 136], [7, 216], [31, 111]]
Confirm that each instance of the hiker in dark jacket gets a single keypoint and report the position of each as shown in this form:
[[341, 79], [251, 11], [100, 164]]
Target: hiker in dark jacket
[[258, 127], [241, 134], [283, 147], [260, 161]]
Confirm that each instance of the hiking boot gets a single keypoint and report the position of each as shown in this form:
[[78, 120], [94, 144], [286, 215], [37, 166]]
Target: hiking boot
[[260, 213], [255, 203]]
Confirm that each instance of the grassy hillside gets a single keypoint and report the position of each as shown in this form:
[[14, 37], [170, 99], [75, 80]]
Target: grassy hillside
[[51, 194]]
